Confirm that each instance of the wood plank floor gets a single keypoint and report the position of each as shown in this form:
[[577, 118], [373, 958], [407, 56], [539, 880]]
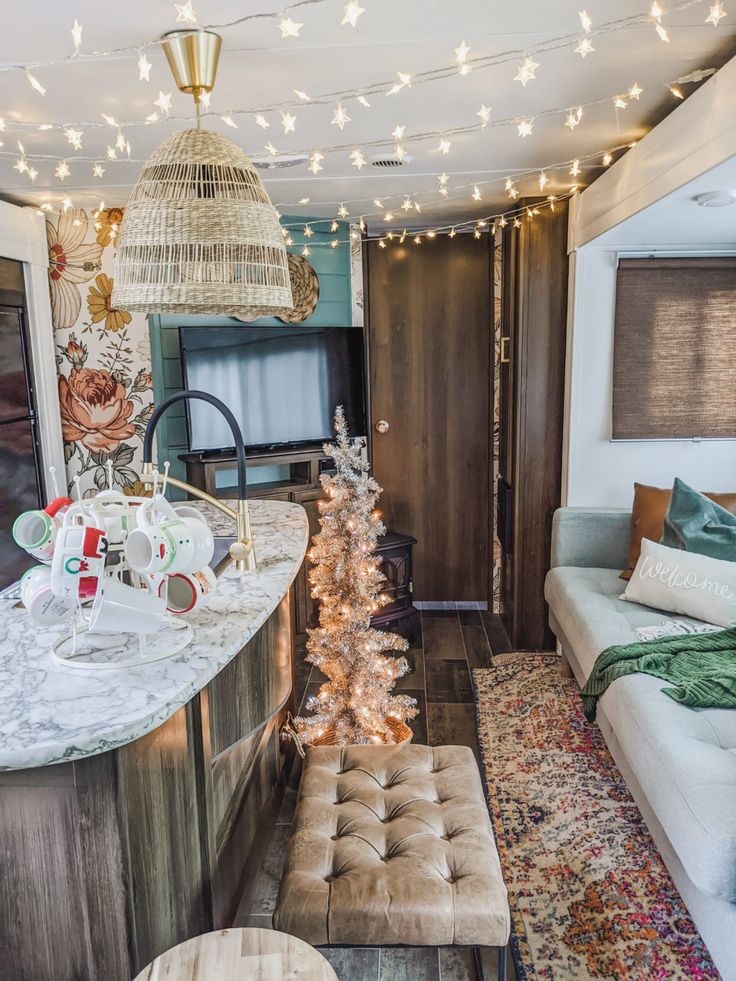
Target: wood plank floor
[[453, 642]]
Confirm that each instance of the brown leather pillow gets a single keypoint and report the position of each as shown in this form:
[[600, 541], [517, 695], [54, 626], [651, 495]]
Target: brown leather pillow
[[648, 514]]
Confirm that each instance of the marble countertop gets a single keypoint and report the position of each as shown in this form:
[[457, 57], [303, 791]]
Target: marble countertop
[[50, 713]]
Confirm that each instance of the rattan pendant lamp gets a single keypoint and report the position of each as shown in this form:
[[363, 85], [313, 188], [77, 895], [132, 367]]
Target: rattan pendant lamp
[[200, 234]]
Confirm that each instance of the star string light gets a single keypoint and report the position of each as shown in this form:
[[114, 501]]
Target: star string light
[[573, 118], [262, 121], [144, 68], [76, 33], [74, 137], [484, 114], [357, 159], [185, 13], [716, 14], [164, 102], [35, 84], [585, 22], [525, 128], [229, 121], [351, 12], [635, 92], [302, 96], [98, 170], [398, 132], [289, 27], [340, 117], [444, 146], [405, 81], [461, 55], [527, 71], [585, 47], [62, 170], [288, 121]]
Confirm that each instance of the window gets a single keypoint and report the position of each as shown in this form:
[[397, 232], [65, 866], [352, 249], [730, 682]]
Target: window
[[674, 360]]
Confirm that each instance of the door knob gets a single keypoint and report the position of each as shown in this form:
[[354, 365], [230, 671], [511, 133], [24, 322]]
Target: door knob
[[382, 426]]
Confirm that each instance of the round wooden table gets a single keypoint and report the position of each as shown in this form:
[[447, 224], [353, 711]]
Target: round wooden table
[[240, 955]]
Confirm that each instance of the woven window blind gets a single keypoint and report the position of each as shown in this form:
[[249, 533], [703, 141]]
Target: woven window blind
[[674, 359]]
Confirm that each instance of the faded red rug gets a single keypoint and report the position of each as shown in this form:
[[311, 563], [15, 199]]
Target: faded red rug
[[590, 897]]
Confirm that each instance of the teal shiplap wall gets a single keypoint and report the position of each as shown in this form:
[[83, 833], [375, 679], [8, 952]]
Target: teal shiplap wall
[[333, 309]]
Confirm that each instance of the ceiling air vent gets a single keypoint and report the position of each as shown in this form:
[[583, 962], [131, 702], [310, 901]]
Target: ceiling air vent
[[384, 163], [280, 161]]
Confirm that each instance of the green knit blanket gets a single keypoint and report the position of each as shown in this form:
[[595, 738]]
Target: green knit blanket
[[701, 669]]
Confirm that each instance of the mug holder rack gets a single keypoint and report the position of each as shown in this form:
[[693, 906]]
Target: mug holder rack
[[137, 648]]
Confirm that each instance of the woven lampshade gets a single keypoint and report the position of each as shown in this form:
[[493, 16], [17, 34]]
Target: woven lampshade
[[200, 234]]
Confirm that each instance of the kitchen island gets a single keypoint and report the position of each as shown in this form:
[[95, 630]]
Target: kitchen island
[[131, 798]]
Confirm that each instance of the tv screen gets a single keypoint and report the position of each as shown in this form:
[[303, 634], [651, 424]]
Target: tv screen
[[281, 383]]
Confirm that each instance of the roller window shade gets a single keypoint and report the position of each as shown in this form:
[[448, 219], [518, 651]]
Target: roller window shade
[[674, 360]]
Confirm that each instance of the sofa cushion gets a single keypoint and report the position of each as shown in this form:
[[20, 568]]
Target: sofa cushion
[[683, 759], [649, 511], [696, 524]]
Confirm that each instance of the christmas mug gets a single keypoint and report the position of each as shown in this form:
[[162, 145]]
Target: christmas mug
[[36, 530], [36, 596], [79, 555], [119, 608], [184, 592]]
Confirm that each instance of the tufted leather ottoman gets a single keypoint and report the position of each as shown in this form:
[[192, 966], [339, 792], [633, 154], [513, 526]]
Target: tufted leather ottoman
[[392, 845]]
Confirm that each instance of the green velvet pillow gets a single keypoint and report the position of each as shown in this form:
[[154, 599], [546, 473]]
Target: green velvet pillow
[[694, 523]]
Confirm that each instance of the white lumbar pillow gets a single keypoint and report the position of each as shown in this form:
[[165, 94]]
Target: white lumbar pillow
[[684, 582]]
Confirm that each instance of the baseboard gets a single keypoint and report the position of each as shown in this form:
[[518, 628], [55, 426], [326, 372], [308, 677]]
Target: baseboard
[[453, 605]]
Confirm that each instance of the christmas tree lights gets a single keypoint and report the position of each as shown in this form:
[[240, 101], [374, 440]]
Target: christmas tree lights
[[356, 704]]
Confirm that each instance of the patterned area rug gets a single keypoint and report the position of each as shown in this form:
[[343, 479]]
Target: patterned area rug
[[590, 897]]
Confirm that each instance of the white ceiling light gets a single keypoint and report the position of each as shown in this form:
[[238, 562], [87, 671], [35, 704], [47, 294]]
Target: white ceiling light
[[716, 199]]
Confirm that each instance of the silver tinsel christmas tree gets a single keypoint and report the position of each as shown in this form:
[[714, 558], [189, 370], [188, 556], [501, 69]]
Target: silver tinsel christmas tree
[[356, 705]]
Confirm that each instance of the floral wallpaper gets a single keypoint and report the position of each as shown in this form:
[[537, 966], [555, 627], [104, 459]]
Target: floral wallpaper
[[356, 274], [103, 354]]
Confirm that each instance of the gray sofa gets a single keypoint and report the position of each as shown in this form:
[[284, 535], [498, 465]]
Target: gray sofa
[[679, 763]]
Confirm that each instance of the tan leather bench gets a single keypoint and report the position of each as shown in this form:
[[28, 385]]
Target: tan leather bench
[[393, 845]]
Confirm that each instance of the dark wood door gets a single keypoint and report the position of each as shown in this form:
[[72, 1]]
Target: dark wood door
[[429, 316], [532, 406]]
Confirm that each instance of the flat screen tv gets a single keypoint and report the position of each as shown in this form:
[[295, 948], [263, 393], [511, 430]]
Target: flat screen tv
[[281, 383]]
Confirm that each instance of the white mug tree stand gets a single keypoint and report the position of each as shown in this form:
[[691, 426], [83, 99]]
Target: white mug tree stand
[[80, 646]]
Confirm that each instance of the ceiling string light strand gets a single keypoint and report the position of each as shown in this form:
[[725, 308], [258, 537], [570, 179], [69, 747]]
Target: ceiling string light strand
[[374, 88], [485, 224], [135, 49], [389, 141], [514, 176]]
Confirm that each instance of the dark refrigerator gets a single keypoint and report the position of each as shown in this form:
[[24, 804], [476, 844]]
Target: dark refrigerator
[[21, 478]]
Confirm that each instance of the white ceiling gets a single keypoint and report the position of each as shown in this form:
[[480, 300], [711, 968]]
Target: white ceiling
[[678, 220], [258, 68]]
